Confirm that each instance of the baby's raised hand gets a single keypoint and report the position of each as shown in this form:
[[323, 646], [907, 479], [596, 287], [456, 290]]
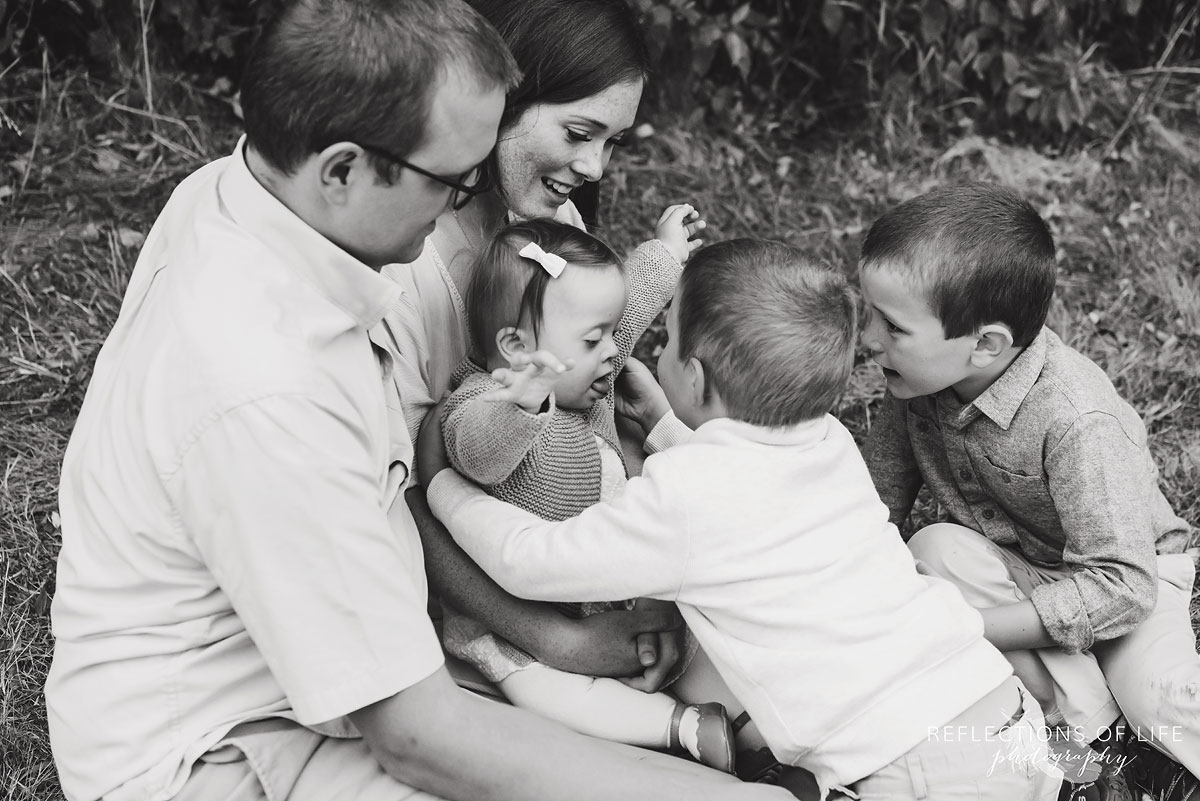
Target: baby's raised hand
[[528, 380], [679, 228]]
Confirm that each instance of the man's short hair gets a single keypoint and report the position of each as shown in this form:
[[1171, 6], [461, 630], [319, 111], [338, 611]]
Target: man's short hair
[[979, 253], [774, 332], [328, 71]]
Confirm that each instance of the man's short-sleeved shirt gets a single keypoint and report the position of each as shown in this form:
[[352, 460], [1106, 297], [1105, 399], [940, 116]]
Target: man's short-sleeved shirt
[[231, 545]]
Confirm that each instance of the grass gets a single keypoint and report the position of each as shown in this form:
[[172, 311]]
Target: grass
[[89, 171]]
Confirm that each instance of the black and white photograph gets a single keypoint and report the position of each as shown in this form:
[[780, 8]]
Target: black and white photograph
[[599, 400]]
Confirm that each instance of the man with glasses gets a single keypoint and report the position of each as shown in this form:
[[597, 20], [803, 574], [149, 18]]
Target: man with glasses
[[241, 585], [474, 181]]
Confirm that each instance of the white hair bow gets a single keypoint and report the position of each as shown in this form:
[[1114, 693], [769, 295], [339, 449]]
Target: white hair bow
[[551, 263]]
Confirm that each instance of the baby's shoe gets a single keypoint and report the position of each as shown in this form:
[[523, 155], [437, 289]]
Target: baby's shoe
[[703, 731]]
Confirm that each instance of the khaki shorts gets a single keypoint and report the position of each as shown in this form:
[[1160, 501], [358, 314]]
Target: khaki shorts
[[277, 759]]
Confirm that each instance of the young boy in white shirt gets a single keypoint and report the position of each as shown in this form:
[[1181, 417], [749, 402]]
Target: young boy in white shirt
[[1060, 534], [765, 529]]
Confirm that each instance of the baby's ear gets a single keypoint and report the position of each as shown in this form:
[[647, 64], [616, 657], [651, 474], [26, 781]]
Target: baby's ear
[[992, 341], [510, 341]]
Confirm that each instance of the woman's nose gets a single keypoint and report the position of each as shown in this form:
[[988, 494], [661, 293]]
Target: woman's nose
[[589, 162]]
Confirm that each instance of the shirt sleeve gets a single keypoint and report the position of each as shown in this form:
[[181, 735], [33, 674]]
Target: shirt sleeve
[[485, 441], [889, 457], [1109, 545], [284, 502], [634, 546], [667, 432]]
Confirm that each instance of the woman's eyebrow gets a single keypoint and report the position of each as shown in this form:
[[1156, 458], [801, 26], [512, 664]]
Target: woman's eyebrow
[[595, 123]]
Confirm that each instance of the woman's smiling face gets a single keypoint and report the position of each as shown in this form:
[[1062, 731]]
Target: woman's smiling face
[[553, 148]]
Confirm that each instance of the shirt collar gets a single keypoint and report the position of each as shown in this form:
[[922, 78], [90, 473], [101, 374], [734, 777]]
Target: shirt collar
[[804, 433], [361, 292], [1000, 401]]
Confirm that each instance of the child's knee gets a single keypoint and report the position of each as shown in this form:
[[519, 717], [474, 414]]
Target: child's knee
[[952, 552]]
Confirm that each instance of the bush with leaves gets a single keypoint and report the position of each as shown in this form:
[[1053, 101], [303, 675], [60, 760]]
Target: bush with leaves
[[1048, 67]]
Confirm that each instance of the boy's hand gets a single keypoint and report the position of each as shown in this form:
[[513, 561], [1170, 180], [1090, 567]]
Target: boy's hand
[[528, 380], [677, 228], [639, 397]]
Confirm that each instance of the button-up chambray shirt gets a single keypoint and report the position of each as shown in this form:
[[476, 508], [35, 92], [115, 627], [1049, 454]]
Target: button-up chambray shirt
[[1051, 462]]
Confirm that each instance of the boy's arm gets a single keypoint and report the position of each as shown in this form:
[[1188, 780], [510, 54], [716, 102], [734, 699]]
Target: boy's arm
[[890, 459], [1015, 627], [634, 546], [605, 644], [487, 440], [1095, 482]]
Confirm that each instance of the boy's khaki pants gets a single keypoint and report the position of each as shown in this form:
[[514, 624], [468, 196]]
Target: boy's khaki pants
[[1152, 674], [971, 763]]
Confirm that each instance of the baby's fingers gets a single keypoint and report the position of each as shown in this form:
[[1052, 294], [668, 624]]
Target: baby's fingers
[[677, 214], [546, 360]]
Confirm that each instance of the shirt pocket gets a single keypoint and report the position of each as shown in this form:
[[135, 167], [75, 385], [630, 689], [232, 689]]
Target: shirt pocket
[[400, 453], [1026, 500]]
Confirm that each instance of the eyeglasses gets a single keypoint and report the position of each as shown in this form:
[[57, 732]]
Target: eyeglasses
[[474, 181]]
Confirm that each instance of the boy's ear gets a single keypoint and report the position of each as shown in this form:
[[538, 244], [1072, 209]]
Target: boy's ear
[[695, 379], [510, 341], [991, 342]]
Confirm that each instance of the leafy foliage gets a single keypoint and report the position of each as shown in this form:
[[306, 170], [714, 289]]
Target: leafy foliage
[[1045, 66]]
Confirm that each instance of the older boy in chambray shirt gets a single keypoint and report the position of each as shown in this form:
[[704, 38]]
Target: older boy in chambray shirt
[[1060, 533]]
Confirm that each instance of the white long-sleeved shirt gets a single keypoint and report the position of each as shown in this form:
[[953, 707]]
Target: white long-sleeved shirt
[[781, 558]]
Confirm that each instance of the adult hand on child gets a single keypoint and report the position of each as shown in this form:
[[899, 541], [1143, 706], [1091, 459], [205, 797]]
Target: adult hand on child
[[658, 651], [678, 228], [528, 380], [639, 397], [619, 643]]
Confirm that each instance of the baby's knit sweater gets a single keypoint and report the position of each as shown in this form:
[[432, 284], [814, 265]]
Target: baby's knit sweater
[[549, 463]]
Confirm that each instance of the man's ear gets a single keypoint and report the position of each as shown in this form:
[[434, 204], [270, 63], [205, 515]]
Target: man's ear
[[510, 341], [991, 342], [338, 167]]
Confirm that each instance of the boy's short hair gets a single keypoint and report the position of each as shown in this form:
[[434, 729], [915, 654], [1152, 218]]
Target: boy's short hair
[[365, 71], [774, 332], [978, 252], [507, 289]]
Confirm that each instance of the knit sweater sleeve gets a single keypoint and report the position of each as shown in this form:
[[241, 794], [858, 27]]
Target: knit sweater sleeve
[[652, 274], [485, 440]]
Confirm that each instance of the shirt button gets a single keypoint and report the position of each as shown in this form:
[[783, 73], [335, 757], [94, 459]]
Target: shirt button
[[965, 475], [988, 514], [1005, 478]]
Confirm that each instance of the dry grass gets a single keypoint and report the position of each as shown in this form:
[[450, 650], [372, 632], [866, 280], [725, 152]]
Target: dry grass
[[88, 173]]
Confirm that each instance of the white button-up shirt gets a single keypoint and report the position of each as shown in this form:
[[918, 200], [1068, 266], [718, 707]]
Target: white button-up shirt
[[226, 494]]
